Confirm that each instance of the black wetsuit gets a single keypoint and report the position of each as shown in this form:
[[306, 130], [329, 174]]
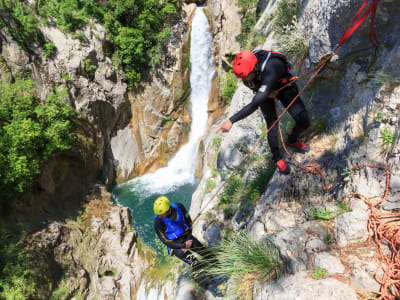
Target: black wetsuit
[[178, 244], [263, 84]]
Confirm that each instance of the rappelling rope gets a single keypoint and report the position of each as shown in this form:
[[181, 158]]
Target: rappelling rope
[[319, 67]]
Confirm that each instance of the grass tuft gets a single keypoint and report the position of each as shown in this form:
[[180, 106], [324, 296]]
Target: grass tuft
[[243, 260]]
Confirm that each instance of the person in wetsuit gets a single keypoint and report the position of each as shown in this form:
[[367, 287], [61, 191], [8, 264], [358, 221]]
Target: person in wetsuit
[[264, 72], [173, 227]]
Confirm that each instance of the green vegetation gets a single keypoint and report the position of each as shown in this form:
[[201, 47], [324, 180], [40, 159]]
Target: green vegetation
[[249, 19], [328, 238], [380, 117], [320, 214], [243, 260], [347, 173], [89, 68], [20, 22], [217, 143], [61, 293], [292, 38], [286, 13], [236, 191], [388, 139], [319, 273], [210, 185], [343, 206], [169, 119], [16, 267], [137, 30], [324, 214], [30, 132], [49, 49], [65, 77], [228, 86], [384, 80]]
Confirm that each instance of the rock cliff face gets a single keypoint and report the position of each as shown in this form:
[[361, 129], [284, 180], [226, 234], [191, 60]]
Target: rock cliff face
[[121, 133], [97, 256], [99, 95], [160, 121], [356, 102]]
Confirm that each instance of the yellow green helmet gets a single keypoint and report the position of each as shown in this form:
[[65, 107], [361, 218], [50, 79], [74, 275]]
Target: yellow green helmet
[[161, 205]]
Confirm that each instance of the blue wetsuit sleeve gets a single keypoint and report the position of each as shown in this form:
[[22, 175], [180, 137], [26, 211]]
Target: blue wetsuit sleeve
[[160, 228]]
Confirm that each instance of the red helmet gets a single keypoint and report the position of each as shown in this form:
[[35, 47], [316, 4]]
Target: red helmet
[[244, 63]]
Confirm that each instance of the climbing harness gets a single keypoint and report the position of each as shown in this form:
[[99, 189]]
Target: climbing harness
[[384, 228]]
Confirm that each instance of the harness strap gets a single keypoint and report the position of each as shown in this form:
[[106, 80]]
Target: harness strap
[[265, 61]]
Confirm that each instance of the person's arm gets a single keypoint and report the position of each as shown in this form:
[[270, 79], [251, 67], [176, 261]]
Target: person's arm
[[160, 228], [269, 82]]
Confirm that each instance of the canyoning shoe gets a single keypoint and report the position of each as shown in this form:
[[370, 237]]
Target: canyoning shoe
[[299, 146], [283, 167], [220, 290]]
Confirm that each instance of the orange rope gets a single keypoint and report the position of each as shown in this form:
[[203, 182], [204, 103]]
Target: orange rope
[[383, 228]]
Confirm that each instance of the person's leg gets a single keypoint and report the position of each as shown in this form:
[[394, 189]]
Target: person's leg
[[185, 256], [268, 111], [297, 111], [201, 249]]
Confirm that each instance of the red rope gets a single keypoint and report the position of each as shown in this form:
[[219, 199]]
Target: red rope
[[349, 31]]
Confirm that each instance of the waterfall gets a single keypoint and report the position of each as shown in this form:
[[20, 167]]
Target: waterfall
[[177, 180], [181, 168]]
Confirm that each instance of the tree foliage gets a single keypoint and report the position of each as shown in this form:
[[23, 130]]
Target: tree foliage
[[138, 29], [16, 269], [30, 132]]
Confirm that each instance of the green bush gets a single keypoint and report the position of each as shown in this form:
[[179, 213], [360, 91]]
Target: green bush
[[30, 132], [249, 19], [217, 143], [286, 12], [236, 191], [293, 40], [388, 139], [231, 190], [23, 24], [16, 268], [49, 49], [228, 86]]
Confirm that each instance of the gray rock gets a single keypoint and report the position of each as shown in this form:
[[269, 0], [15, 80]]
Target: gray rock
[[302, 287], [351, 227], [314, 245], [212, 234], [239, 221], [328, 262]]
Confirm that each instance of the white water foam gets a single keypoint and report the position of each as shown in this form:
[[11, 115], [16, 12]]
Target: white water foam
[[181, 168]]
